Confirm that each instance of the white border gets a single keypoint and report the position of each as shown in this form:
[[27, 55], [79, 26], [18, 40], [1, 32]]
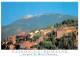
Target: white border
[[8, 53]]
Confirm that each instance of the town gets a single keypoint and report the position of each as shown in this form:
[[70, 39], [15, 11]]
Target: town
[[33, 38]]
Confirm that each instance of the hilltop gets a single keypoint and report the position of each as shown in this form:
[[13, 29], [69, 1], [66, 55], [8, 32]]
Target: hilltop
[[30, 22]]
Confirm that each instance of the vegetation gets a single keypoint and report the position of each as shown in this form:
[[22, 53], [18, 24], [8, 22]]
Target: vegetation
[[36, 28], [48, 27], [37, 35], [65, 42], [50, 41], [68, 42], [67, 23], [42, 28]]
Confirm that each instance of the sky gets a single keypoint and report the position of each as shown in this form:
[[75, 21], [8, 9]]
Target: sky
[[12, 11]]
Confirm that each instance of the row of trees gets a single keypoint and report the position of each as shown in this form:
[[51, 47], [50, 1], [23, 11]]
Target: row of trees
[[48, 27], [67, 23]]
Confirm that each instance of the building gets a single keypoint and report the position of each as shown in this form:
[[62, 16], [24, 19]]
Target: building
[[64, 30], [32, 34], [52, 27], [11, 47], [12, 39]]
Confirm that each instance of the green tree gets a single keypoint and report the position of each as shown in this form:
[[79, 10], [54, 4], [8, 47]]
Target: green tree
[[47, 44], [53, 47], [42, 28], [36, 28], [48, 27], [37, 35]]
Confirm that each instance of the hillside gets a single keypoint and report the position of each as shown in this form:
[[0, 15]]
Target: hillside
[[63, 35], [30, 22]]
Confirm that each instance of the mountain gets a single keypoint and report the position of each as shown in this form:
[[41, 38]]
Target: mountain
[[30, 22]]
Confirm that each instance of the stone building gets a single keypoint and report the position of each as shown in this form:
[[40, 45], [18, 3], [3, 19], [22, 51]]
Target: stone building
[[64, 30]]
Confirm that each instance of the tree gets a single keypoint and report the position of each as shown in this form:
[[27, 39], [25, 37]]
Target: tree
[[36, 28], [37, 35], [54, 41], [53, 47], [3, 46], [45, 38], [30, 39], [67, 23], [67, 41], [49, 34], [48, 27], [42, 28], [47, 44]]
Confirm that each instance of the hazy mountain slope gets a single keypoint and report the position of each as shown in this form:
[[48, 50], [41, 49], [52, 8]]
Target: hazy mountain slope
[[29, 22]]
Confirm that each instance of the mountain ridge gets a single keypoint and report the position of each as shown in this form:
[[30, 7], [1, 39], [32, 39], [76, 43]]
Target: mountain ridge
[[32, 22]]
